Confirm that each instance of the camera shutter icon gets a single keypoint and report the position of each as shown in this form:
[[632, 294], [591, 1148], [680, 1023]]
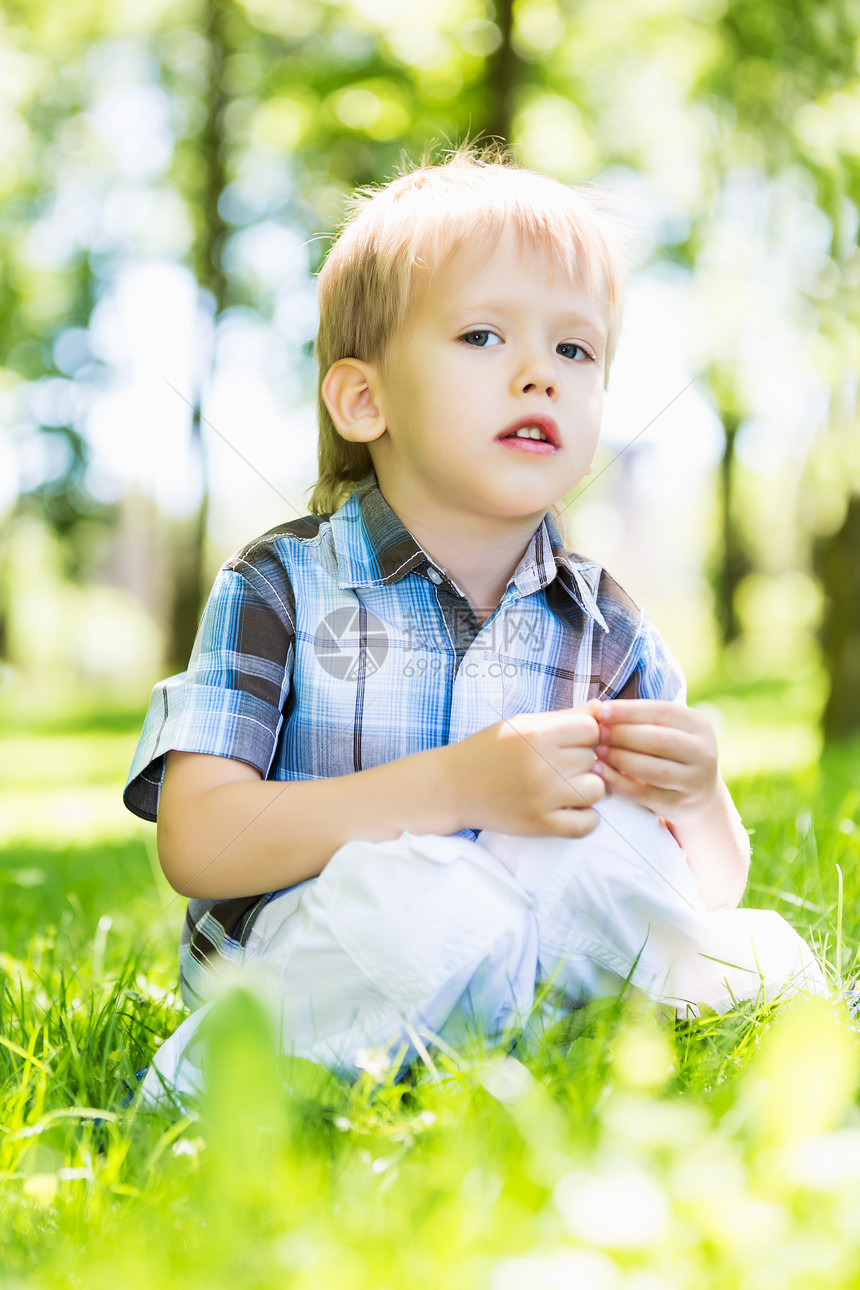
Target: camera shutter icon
[[350, 643]]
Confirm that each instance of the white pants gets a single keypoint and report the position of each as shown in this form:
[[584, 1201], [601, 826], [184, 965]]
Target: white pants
[[423, 936]]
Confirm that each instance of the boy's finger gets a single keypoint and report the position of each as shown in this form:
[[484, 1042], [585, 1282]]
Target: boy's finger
[[568, 823], [656, 771], [547, 730], [587, 789], [660, 801], [658, 741], [617, 783], [652, 712], [577, 729]]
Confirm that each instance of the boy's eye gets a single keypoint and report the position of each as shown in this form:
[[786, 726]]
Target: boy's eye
[[481, 338], [570, 349]]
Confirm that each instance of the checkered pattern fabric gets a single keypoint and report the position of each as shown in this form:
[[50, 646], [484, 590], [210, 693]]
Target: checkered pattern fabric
[[334, 643]]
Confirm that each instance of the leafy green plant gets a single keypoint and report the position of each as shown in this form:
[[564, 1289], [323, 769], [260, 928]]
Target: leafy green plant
[[619, 1149]]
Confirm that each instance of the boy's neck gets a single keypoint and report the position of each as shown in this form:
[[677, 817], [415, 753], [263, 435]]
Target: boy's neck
[[479, 556]]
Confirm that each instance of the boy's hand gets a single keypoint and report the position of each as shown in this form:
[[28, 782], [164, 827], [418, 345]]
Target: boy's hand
[[662, 755], [531, 775]]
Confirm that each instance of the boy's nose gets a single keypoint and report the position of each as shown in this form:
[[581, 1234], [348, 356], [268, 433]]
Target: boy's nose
[[539, 387], [536, 378]]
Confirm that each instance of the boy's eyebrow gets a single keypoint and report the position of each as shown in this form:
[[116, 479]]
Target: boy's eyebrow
[[502, 304]]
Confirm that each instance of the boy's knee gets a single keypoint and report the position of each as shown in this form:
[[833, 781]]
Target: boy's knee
[[420, 909]]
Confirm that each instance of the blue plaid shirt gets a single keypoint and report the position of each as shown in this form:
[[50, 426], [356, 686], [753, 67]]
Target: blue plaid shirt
[[334, 643]]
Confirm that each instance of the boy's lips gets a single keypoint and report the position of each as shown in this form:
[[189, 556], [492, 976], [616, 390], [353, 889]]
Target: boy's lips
[[539, 421]]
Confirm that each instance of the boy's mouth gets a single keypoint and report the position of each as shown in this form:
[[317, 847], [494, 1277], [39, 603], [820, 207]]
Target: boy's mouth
[[537, 433]]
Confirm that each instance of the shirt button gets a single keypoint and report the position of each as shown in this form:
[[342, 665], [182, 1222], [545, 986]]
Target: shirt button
[[434, 575]]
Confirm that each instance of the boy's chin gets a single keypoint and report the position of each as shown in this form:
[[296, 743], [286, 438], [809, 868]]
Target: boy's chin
[[520, 508], [524, 501]]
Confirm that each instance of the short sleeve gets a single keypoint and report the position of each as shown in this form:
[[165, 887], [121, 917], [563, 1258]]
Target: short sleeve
[[630, 659], [651, 670], [230, 700]]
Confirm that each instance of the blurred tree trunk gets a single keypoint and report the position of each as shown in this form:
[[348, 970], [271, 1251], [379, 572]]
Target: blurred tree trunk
[[837, 556], [4, 621], [189, 583], [503, 72], [732, 562], [811, 62], [837, 563]]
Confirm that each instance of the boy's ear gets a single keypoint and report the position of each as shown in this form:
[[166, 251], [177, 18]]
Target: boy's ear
[[347, 389]]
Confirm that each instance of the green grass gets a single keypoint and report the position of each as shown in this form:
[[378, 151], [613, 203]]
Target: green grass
[[627, 1152]]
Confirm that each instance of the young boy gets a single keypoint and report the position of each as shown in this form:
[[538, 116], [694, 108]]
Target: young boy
[[423, 758]]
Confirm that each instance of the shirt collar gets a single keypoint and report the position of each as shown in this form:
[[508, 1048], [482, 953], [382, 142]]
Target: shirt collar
[[372, 545], [580, 578], [375, 549]]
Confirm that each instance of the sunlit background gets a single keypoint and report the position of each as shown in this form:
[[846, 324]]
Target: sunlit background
[[171, 175]]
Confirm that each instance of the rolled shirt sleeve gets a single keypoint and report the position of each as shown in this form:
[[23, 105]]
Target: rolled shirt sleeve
[[230, 700], [629, 658], [654, 671]]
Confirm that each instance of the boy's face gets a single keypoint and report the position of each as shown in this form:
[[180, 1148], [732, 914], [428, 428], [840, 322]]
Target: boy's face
[[496, 343]]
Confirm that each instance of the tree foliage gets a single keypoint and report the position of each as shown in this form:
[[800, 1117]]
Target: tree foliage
[[195, 133]]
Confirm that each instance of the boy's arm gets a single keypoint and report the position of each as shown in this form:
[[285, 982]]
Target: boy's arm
[[224, 831], [664, 756]]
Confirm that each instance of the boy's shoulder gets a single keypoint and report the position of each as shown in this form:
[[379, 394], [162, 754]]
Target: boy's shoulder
[[361, 544], [276, 566], [305, 532], [303, 529], [272, 546]]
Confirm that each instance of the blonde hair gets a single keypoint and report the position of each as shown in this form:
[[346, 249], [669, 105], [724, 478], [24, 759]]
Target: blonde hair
[[409, 228]]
